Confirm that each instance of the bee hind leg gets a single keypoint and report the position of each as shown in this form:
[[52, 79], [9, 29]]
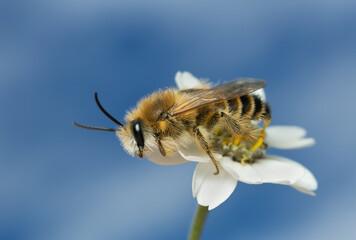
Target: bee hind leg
[[262, 136], [232, 124], [205, 145]]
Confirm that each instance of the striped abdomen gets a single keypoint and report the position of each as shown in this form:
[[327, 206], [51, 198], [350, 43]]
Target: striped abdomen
[[249, 106], [235, 113]]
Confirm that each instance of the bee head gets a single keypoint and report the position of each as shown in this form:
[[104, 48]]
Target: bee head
[[132, 134]]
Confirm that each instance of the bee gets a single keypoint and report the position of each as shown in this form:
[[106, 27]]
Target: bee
[[171, 118]]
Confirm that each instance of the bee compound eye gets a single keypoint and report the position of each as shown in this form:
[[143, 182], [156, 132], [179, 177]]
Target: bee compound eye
[[137, 132]]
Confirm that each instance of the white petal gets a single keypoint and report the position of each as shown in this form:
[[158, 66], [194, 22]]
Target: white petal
[[209, 189], [274, 169], [260, 93], [186, 80], [197, 156], [287, 131], [193, 153], [156, 157], [189, 153], [171, 160], [287, 137], [307, 184], [246, 173]]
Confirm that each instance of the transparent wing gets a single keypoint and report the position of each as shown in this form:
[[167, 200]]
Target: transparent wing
[[198, 98]]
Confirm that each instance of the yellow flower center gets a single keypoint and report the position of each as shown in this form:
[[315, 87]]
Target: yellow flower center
[[239, 149]]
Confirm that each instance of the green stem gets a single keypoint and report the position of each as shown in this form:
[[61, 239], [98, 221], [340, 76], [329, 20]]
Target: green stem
[[198, 223]]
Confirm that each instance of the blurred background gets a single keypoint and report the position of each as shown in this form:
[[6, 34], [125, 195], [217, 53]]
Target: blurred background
[[61, 182]]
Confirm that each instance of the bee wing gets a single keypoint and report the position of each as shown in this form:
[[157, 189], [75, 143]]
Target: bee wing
[[198, 98]]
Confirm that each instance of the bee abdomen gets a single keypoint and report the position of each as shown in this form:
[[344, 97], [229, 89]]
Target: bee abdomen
[[248, 106], [266, 115], [258, 109], [254, 108]]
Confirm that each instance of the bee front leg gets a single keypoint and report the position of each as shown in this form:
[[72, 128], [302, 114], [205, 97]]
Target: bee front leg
[[205, 145], [160, 146]]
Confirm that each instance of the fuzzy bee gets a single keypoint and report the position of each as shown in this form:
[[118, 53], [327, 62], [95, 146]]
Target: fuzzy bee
[[172, 119]]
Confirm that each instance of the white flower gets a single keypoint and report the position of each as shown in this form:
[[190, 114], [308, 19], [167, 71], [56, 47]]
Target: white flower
[[212, 190]]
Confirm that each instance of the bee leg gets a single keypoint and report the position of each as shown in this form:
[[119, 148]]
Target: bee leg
[[231, 123], [262, 136], [239, 128], [159, 143], [259, 141], [161, 148], [204, 144]]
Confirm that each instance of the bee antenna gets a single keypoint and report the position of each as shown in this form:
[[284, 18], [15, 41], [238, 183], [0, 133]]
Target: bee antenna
[[105, 112], [94, 128]]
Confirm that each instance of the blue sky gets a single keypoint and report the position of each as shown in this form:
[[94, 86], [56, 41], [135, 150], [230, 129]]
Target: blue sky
[[60, 182]]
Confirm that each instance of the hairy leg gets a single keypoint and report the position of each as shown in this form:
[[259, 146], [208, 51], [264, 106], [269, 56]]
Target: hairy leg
[[204, 144]]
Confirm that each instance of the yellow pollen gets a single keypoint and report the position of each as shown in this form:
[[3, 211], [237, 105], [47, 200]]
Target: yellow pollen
[[243, 160], [236, 141], [259, 141], [226, 141]]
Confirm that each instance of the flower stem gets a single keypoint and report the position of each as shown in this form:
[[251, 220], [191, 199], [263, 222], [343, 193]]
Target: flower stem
[[198, 222]]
